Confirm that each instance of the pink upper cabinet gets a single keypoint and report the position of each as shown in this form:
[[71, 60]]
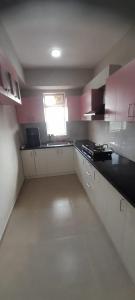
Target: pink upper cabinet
[[74, 108], [111, 98], [31, 110], [86, 102], [125, 109], [120, 94]]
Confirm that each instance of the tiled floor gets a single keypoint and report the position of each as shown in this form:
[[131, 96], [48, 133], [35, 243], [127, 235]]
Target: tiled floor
[[55, 247]]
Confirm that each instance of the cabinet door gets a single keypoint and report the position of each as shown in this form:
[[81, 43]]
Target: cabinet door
[[53, 158], [16, 89], [76, 164], [86, 103], [66, 158], [126, 93], [129, 241], [81, 168], [2, 83], [111, 98], [74, 108], [100, 196], [9, 80], [88, 178], [60, 160], [28, 159], [79, 165], [116, 213], [41, 158]]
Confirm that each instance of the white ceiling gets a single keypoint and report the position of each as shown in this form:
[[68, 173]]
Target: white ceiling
[[84, 35]]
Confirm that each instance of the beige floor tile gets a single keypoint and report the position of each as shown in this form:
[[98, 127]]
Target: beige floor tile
[[55, 247]]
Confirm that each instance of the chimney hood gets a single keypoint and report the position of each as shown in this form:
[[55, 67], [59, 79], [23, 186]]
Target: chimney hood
[[98, 111], [94, 106]]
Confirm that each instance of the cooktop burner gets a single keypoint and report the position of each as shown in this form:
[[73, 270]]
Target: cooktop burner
[[97, 151]]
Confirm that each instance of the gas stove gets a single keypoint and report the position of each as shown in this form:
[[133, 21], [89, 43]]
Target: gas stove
[[97, 152]]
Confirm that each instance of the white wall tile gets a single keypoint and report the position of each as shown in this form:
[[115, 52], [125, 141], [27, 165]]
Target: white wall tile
[[120, 136]]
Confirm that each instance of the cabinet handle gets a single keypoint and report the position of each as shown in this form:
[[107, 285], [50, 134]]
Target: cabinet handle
[[122, 208], [134, 111], [88, 185], [35, 153], [131, 110]]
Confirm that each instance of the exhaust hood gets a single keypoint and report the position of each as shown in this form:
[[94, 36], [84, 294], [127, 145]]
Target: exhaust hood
[[95, 103], [89, 113], [98, 111]]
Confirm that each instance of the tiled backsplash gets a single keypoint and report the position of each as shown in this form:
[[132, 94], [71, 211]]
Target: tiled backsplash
[[75, 130], [120, 136], [42, 130]]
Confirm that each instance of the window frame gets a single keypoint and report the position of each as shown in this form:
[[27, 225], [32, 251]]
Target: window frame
[[64, 106]]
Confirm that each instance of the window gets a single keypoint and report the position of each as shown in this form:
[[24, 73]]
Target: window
[[55, 111]]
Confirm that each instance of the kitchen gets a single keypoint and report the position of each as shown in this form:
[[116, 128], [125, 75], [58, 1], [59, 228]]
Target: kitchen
[[67, 145]]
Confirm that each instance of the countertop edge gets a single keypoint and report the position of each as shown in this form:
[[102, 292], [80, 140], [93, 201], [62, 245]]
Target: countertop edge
[[46, 147]]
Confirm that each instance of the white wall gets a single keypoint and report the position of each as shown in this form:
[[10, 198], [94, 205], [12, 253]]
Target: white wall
[[120, 136], [11, 173]]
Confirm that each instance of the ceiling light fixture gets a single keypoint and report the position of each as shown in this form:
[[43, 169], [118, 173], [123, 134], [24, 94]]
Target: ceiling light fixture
[[56, 52]]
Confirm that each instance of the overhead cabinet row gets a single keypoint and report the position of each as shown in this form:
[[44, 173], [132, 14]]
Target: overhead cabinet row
[[118, 96], [32, 108], [115, 101]]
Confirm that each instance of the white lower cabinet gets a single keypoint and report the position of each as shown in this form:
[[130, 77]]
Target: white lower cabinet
[[79, 165], [53, 161], [111, 208], [41, 162], [85, 172], [129, 241], [100, 197], [60, 160], [45, 162], [29, 167], [67, 159], [89, 177], [117, 215]]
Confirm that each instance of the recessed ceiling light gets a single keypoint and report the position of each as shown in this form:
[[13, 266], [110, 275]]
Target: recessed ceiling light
[[56, 52]]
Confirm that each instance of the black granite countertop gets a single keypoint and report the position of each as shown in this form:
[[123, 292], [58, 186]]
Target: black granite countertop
[[48, 145], [119, 171]]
